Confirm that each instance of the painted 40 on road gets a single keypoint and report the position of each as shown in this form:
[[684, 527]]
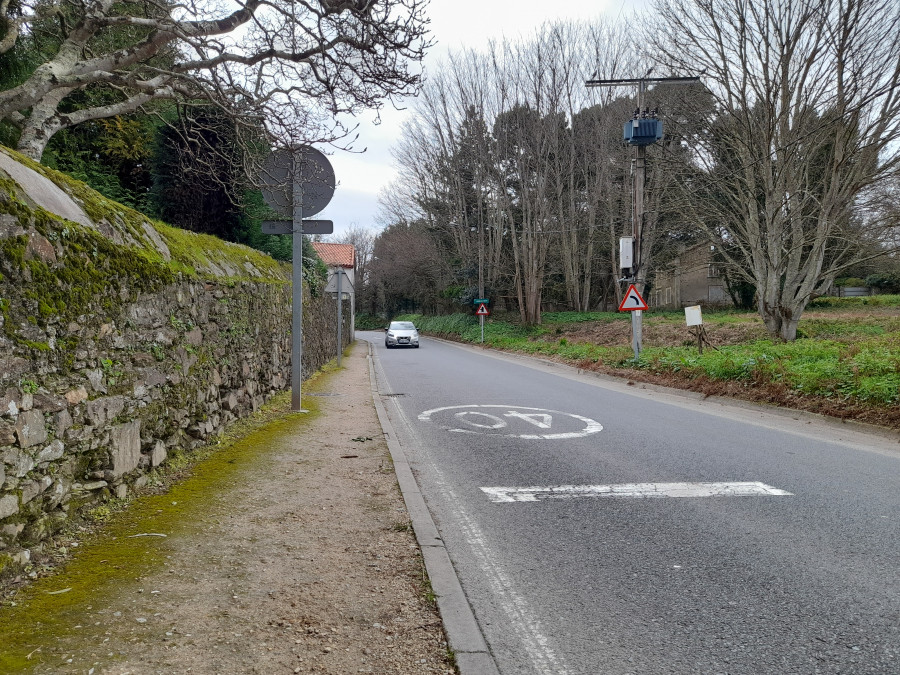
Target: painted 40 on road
[[511, 421]]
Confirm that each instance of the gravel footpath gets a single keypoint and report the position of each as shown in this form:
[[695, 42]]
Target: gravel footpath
[[302, 561]]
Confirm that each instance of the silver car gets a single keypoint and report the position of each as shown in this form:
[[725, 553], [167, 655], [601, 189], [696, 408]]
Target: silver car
[[401, 334]]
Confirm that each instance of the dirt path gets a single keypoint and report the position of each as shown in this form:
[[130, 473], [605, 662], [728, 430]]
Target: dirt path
[[301, 562]]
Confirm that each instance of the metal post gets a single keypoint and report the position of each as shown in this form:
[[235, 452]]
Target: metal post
[[638, 273], [481, 269], [640, 165], [297, 297], [340, 316]]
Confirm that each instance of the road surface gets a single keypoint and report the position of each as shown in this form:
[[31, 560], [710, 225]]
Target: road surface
[[598, 527]]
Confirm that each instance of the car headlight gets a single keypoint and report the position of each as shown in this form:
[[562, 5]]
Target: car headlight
[[390, 334]]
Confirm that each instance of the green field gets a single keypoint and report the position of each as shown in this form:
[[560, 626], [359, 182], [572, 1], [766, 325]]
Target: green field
[[848, 349]]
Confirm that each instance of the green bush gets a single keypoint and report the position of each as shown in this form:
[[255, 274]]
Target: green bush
[[886, 282], [370, 322], [845, 303], [849, 281]]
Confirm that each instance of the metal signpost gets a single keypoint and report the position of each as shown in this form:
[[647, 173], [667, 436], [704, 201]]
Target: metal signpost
[[644, 129], [340, 307], [482, 312], [297, 180], [335, 286]]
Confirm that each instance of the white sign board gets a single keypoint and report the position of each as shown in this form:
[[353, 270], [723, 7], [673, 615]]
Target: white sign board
[[626, 252], [692, 316]]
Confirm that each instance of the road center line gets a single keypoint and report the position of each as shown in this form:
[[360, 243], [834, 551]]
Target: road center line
[[634, 490]]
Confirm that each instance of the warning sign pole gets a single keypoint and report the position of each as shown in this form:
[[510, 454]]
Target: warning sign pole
[[482, 312], [634, 303]]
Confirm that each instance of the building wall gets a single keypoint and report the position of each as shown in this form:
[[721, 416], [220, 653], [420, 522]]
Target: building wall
[[692, 279]]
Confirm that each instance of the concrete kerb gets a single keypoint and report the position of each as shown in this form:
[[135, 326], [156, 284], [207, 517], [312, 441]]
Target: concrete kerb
[[463, 632]]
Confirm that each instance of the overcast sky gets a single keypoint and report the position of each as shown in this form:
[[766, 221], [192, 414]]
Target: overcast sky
[[454, 24]]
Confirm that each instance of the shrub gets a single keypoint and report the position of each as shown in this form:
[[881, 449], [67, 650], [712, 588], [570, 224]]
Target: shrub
[[849, 281], [886, 282]]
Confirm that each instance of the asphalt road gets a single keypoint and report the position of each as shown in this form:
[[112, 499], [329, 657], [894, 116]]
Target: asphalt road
[[659, 533]]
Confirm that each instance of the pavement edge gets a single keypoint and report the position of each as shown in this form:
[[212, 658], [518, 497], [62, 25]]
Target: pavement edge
[[464, 635]]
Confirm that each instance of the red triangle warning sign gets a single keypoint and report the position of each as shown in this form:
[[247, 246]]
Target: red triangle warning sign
[[482, 310], [632, 300]]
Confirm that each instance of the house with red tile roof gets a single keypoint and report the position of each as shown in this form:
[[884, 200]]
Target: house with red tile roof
[[340, 259]]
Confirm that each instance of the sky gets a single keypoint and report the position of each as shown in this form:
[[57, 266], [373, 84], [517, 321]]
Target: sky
[[455, 24]]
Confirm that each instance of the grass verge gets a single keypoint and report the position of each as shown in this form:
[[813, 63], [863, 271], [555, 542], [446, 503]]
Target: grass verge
[[847, 352]]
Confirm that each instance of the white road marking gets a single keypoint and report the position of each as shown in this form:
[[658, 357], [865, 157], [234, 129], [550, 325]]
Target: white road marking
[[464, 421], [521, 618], [467, 415], [634, 490], [540, 420]]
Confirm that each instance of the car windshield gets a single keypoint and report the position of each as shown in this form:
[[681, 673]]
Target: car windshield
[[402, 325]]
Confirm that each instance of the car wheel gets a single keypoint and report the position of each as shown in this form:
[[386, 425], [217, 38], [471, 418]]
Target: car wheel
[[417, 346]]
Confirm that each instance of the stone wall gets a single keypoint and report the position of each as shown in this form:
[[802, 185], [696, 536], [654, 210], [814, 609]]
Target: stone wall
[[123, 341]]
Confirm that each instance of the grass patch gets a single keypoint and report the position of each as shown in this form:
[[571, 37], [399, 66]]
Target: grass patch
[[851, 351]]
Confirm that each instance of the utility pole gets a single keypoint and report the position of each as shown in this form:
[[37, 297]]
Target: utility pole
[[639, 135]]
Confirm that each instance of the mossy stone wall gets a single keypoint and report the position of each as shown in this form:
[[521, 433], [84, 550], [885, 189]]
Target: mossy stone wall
[[122, 343]]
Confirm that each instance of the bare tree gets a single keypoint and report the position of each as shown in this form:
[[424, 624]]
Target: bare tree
[[288, 65], [805, 128], [363, 241]]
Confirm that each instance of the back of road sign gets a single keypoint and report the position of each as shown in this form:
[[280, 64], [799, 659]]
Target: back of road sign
[[632, 301]]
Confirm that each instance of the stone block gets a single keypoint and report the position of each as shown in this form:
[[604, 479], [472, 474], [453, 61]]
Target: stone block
[[40, 248], [9, 506], [231, 402], [61, 422], [19, 461], [34, 488], [52, 452], [7, 433], [76, 396], [57, 494], [49, 403], [103, 410], [95, 377], [12, 368], [145, 313], [30, 428], [158, 454], [91, 486], [194, 337], [12, 530], [125, 447], [9, 227], [152, 377]]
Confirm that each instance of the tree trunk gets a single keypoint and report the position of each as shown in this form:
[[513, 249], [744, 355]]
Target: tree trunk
[[781, 319]]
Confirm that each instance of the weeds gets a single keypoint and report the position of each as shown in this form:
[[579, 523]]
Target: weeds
[[850, 351]]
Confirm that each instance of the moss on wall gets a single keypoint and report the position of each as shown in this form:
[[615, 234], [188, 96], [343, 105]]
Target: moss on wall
[[130, 321]]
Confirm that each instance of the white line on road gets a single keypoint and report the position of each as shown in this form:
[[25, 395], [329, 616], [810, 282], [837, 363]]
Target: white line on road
[[635, 490], [520, 616]]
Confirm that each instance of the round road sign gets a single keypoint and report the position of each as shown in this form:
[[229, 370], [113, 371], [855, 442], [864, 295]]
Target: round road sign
[[305, 167]]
